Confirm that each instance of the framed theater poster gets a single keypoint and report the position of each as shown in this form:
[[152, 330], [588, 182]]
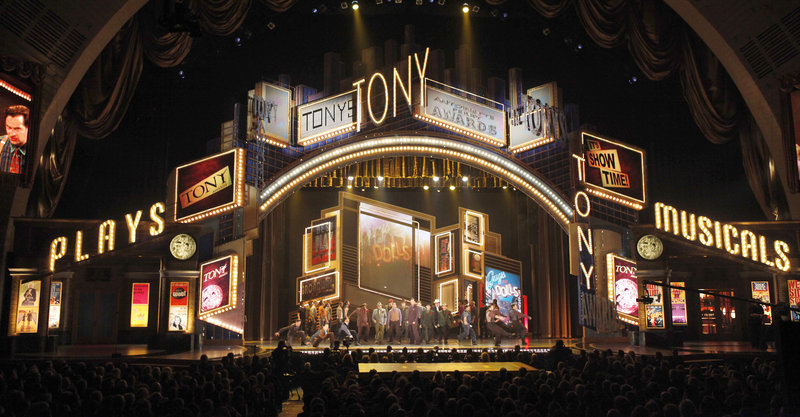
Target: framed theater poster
[[678, 301], [54, 314], [473, 228], [140, 304], [794, 298], [760, 291], [473, 263], [654, 312], [28, 307], [178, 307], [320, 244], [444, 253]]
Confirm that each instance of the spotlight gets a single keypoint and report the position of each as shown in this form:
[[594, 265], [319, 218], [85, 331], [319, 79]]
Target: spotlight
[[465, 8], [435, 178], [238, 41], [452, 187], [380, 177], [579, 46], [349, 185], [355, 4], [181, 74], [464, 178], [350, 178], [314, 11], [425, 187]]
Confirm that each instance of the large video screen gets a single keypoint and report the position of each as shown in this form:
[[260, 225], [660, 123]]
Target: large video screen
[[16, 107], [386, 254]]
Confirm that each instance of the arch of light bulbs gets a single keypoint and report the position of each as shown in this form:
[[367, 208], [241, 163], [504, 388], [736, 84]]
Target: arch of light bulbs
[[497, 164]]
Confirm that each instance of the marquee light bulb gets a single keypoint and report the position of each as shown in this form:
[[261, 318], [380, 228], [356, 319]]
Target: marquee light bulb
[[465, 8], [464, 178], [435, 179], [355, 5]]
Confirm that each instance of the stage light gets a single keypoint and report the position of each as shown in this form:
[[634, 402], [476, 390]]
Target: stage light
[[271, 25], [314, 11], [465, 8], [355, 4], [476, 8], [349, 185], [375, 187], [464, 178], [580, 46], [380, 177], [425, 187], [546, 31], [435, 178], [440, 2], [452, 187], [505, 187], [495, 13], [350, 178], [238, 41], [344, 5]]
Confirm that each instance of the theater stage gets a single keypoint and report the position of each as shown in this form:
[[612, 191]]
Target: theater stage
[[432, 368]]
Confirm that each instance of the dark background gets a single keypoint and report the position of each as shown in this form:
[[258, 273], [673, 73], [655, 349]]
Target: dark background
[[173, 116]]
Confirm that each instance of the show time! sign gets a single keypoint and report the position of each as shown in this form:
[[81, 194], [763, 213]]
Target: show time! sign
[[613, 170]]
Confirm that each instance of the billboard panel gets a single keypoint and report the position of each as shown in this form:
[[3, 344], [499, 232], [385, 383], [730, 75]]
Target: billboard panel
[[465, 116], [794, 298], [626, 289], [324, 286], [325, 118], [140, 304], [504, 287], [209, 186], [178, 307], [218, 285], [613, 168], [537, 120], [678, 301], [269, 114], [28, 306], [760, 291], [385, 255], [654, 312]]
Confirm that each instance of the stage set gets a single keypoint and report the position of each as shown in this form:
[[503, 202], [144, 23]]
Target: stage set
[[397, 184]]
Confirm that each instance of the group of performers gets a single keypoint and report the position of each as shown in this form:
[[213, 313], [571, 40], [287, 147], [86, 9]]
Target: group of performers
[[410, 320]]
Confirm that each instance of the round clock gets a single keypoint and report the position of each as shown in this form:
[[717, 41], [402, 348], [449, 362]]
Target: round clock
[[649, 247], [182, 246]]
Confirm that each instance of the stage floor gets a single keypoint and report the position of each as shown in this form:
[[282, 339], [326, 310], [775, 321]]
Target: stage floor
[[432, 368], [142, 353]]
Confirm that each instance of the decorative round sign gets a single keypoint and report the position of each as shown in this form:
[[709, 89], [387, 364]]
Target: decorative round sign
[[649, 247], [182, 246]]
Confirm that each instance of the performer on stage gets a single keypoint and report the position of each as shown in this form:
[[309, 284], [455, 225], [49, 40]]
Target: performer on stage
[[515, 318], [494, 319], [379, 321], [322, 334], [292, 331], [395, 320], [445, 318], [362, 320], [414, 315], [428, 323], [466, 327], [404, 323]]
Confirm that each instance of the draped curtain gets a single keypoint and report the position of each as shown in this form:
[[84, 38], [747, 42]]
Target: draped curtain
[[658, 41]]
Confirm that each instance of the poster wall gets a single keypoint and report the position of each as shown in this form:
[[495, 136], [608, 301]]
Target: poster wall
[[678, 302], [385, 255], [28, 307], [626, 288], [654, 312], [140, 304], [794, 298], [178, 307], [54, 315], [760, 291], [504, 287]]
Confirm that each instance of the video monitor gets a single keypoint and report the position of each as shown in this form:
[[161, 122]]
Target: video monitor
[[17, 137]]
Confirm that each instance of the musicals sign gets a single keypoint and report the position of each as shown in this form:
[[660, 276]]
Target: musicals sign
[[209, 186], [611, 169], [218, 285]]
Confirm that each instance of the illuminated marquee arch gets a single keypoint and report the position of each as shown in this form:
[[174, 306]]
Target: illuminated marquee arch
[[493, 162]]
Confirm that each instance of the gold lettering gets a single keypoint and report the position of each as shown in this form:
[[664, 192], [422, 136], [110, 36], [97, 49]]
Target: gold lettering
[[155, 210], [762, 250], [105, 234], [206, 187], [357, 85], [728, 232], [385, 98], [781, 260], [690, 232], [58, 248], [133, 223], [706, 238], [749, 245], [421, 72], [406, 93], [79, 255]]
